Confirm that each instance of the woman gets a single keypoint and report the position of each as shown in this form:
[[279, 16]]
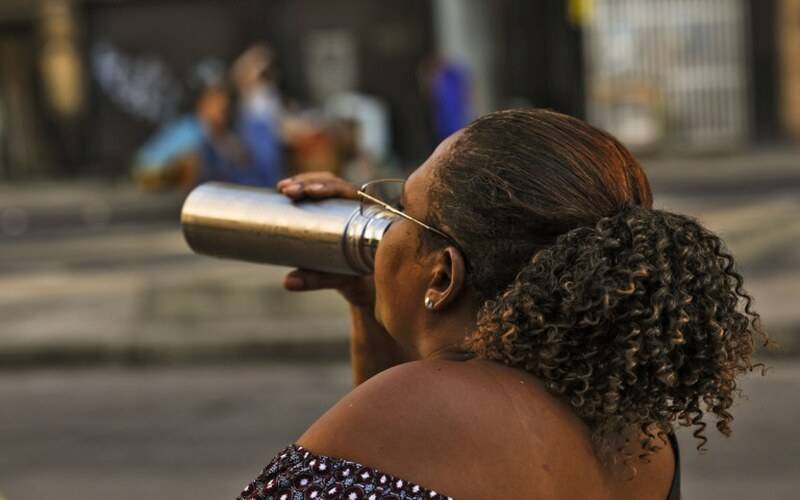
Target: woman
[[533, 329]]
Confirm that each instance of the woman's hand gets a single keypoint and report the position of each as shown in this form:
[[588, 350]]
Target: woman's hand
[[359, 291], [317, 185], [372, 348]]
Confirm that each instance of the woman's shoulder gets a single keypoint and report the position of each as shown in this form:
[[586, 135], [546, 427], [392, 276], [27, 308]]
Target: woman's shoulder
[[416, 398], [443, 423], [407, 400]]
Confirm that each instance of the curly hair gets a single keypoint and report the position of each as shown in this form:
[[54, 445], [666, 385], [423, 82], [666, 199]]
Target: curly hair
[[636, 317], [634, 321]]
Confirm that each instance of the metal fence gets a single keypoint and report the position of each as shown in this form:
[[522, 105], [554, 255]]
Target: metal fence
[[669, 73]]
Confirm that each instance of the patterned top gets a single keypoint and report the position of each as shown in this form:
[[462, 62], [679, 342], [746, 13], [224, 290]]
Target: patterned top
[[297, 474]]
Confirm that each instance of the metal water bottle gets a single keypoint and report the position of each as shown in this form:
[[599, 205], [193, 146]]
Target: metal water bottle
[[263, 226]]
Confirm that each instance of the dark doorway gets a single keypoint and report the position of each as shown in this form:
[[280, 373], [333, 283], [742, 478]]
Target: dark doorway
[[542, 57]]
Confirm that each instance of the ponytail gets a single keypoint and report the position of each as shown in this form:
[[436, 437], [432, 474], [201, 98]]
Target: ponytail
[[638, 322]]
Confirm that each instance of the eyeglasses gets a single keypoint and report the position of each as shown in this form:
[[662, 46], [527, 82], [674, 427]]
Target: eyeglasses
[[387, 194]]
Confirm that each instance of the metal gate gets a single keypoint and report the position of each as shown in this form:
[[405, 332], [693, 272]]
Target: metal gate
[[669, 73]]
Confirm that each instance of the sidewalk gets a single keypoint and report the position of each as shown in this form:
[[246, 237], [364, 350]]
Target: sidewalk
[[102, 274], [51, 208], [180, 310]]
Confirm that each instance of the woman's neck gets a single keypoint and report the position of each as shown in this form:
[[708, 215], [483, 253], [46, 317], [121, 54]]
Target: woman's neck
[[442, 337]]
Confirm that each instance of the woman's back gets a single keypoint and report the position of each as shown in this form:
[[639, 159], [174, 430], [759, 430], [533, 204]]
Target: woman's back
[[477, 430]]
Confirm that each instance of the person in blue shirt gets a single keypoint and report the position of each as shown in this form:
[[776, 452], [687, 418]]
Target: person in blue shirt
[[448, 88], [202, 146]]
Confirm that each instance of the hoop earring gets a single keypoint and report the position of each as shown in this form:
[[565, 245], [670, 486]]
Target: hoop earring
[[429, 305]]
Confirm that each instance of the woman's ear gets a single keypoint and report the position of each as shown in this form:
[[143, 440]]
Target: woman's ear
[[448, 279]]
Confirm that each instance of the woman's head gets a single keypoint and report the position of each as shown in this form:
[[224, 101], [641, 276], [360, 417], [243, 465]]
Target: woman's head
[[631, 314], [514, 180], [504, 187]]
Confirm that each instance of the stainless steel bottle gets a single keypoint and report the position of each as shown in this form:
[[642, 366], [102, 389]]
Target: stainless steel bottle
[[261, 225]]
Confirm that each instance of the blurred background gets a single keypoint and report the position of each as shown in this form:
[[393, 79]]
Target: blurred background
[[131, 368]]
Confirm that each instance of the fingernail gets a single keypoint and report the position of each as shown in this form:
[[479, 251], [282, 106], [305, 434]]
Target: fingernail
[[294, 187], [293, 282], [316, 186]]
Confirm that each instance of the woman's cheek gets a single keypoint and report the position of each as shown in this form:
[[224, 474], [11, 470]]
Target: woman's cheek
[[388, 264], [388, 255], [382, 272]]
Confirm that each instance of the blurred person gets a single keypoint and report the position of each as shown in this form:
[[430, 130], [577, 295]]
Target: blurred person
[[204, 146], [260, 111], [253, 73], [184, 151], [331, 144], [312, 143], [346, 137], [364, 127], [447, 87], [534, 328]]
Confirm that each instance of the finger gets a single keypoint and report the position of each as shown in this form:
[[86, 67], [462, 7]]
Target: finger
[[294, 281], [301, 280], [319, 188], [306, 177], [319, 174], [330, 189], [294, 190]]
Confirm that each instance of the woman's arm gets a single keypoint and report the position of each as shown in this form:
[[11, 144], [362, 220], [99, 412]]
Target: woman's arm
[[372, 349]]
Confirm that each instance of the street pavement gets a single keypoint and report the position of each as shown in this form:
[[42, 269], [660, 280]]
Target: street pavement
[[203, 431]]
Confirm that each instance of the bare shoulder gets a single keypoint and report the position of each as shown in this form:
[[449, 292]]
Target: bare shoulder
[[443, 424], [396, 408], [433, 402], [450, 425]]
